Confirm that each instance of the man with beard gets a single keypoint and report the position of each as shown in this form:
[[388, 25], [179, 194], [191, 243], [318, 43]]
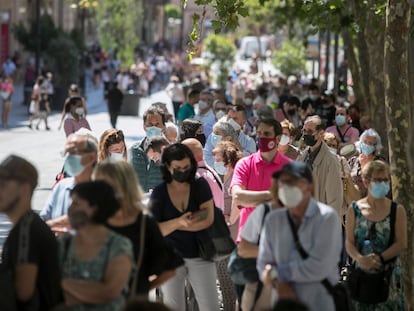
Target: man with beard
[[30, 254]]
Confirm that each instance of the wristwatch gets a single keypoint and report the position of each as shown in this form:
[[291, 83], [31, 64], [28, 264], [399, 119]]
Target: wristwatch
[[273, 274]]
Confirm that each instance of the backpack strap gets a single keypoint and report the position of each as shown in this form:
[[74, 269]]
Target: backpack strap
[[218, 181]]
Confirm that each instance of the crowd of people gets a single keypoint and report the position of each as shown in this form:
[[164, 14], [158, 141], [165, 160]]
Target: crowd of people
[[272, 154]]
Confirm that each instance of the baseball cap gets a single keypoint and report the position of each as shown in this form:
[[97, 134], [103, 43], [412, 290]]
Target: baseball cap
[[295, 169], [17, 168]]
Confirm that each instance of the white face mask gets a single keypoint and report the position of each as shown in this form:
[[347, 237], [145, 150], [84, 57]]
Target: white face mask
[[234, 124], [248, 101], [220, 168], [332, 150], [290, 196], [117, 155], [79, 111], [202, 105], [284, 140], [220, 114]]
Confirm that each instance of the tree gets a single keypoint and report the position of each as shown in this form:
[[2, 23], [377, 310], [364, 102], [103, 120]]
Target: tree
[[220, 49], [290, 59], [117, 27], [398, 115]]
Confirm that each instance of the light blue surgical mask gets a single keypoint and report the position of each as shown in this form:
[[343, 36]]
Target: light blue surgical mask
[[313, 97], [153, 131], [340, 120], [367, 149], [202, 105], [220, 168], [379, 189], [73, 165], [215, 139]]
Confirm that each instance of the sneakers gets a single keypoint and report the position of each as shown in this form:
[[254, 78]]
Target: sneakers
[[37, 127], [47, 128], [30, 126]]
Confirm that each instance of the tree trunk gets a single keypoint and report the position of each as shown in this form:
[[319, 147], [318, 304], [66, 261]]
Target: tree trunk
[[355, 69], [374, 36], [398, 110]]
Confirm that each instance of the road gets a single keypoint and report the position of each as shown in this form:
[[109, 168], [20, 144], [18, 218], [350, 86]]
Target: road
[[44, 148]]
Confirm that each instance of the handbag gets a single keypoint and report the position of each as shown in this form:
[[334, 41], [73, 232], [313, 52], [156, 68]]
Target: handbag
[[368, 287], [243, 270], [4, 95], [215, 243], [351, 191], [339, 291]]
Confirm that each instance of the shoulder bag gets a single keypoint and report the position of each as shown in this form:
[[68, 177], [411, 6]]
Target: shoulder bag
[[339, 291], [243, 270], [374, 287], [351, 191]]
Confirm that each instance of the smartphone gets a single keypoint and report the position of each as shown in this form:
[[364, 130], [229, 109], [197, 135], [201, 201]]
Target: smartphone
[[199, 215]]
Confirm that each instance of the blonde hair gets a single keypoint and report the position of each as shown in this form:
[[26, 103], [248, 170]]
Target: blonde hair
[[376, 166], [124, 180], [329, 138], [285, 124]]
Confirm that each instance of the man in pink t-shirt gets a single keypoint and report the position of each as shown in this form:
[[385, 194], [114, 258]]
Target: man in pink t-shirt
[[253, 174], [342, 129]]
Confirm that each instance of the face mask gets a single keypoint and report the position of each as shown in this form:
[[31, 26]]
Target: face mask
[[79, 111], [266, 144], [367, 149], [340, 120], [202, 105], [220, 168], [332, 150], [181, 176], [215, 139], [77, 219], [248, 101], [234, 124], [153, 131], [290, 196], [220, 114], [291, 112], [201, 138], [379, 189], [73, 165], [116, 156], [284, 140], [313, 97], [309, 140]]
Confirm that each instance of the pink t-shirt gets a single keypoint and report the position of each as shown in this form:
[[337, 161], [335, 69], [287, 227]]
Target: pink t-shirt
[[351, 134], [253, 173], [71, 125]]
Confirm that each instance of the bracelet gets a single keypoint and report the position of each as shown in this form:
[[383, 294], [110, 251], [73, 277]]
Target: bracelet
[[381, 258]]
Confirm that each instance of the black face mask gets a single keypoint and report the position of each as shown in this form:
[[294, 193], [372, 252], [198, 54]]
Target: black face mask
[[201, 138], [291, 112], [181, 176], [309, 140]]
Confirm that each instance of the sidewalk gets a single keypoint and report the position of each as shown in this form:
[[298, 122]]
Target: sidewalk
[[43, 148]]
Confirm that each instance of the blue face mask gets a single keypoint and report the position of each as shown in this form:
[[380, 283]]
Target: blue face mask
[[153, 131], [340, 120], [367, 149], [379, 189], [73, 165], [215, 139], [220, 168]]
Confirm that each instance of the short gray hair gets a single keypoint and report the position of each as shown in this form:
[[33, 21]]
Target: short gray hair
[[227, 130], [372, 133]]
